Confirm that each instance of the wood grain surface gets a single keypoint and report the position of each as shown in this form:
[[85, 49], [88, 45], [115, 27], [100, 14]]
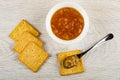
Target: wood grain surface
[[102, 63]]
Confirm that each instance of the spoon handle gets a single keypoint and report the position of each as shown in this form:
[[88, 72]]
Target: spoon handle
[[101, 41]]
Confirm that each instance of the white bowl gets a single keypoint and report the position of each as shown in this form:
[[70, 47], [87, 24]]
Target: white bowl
[[79, 9]]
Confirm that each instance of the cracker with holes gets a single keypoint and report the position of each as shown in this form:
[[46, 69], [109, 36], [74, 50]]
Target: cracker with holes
[[76, 69], [33, 56], [22, 27], [25, 38]]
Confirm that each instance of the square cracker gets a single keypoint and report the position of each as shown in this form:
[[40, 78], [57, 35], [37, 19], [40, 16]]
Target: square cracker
[[73, 70], [25, 38], [33, 56], [22, 27]]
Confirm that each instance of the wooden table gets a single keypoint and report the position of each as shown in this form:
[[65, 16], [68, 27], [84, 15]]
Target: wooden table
[[102, 63]]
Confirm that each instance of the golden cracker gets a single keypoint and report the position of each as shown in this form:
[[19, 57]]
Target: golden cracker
[[22, 27], [73, 70], [24, 40], [33, 56]]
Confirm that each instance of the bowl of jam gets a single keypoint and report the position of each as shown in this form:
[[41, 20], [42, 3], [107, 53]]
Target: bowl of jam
[[67, 23]]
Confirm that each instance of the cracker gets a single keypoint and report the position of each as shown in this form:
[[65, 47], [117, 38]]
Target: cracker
[[33, 56], [22, 27], [73, 70], [24, 40]]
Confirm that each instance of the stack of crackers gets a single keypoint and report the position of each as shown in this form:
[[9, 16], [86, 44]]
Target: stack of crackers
[[28, 45]]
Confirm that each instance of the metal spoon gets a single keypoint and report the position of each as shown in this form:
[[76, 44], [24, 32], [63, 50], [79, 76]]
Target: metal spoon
[[72, 61]]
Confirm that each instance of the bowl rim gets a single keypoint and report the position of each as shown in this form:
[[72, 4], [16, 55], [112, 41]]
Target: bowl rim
[[62, 5]]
